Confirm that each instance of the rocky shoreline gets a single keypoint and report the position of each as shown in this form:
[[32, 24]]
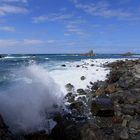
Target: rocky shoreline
[[107, 110]]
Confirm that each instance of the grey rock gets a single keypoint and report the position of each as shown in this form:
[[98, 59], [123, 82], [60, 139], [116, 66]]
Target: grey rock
[[124, 134], [134, 124], [69, 87], [129, 109], [63, 65], [81, 91], [83, 78]]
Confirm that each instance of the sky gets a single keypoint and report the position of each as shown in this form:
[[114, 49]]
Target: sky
[[69, 26]]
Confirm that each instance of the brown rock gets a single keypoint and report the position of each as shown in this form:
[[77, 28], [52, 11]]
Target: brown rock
[[110, 88], [99, 91]]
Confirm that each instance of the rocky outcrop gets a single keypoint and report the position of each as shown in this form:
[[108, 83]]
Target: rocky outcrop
[[128, 54], [70, 130], [113, 105], [1, 56], [5, 134], [89, 54]]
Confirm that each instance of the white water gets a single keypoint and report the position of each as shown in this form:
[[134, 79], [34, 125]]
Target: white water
[[23, 105], [20, 57], [72, 74]]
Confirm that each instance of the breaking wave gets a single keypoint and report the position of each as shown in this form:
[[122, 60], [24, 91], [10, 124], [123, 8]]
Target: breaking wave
[[26, 104]]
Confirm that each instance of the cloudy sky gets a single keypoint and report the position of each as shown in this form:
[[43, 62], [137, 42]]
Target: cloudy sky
[[69, 26]]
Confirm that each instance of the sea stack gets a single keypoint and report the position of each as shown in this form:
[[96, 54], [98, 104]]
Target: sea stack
[[89, 54], [127, 54]]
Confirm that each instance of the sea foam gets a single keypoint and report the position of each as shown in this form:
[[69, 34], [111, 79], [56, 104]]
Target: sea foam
[[25, 105]]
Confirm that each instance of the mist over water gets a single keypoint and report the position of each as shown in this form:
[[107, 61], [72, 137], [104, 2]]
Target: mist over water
[[26, 104]]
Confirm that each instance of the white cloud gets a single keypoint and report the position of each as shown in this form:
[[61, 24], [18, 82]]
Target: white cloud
[[32, 42], [24, 42], [102, 9], [51, 41], [27, 42], [7, 28], [11, 9], [52, 17], [11, 1], [74, 29]]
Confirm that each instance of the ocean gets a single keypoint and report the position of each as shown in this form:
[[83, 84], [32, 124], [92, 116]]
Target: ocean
[[30, 85], [10, 64]]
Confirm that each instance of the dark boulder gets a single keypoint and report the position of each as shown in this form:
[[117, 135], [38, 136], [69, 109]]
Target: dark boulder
[[69, 87], [78, 106], [63, 65], [81, 91], [69, 130], [83, 78], [70, 97], [102, 107], [5, 134], [41, 135]]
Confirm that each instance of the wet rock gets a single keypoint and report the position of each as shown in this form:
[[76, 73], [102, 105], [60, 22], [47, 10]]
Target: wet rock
[[102, 107], [57, 117], [91, 83], [70, 97], [92, 65], [5, 134], [81, 91], [83, 78], [98, 84], [95, 86], [83, 99], [69, 87], [63, 65], [78, 106]]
